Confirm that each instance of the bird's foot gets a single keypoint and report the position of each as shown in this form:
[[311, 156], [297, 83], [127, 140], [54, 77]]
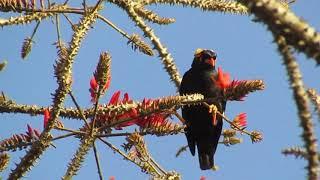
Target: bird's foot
[[215, 168], [213, 110]]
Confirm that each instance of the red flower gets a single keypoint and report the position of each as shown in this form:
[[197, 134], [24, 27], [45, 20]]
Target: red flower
[[107, 85], [223, 79], [31, 133], [37, 133], [241, 120], [114, 100], [154, 120], [234, 85], [112, 178], [203, 178], [126, 98], [46, 117], [94, 88], [93, 84], [30, 130]]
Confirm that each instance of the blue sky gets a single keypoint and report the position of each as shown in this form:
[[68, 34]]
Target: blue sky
[[244, 48]]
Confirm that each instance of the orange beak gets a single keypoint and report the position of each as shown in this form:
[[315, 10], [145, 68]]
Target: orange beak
[[211, 61]]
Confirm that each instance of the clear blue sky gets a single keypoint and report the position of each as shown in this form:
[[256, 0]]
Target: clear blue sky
[[244, 48]]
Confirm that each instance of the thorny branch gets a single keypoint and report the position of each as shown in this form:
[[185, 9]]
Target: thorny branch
[[302, 101], [288, 29]]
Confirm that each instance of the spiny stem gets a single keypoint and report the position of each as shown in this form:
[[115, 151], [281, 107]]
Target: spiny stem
[[96, 156], [70, 130], [229, 121], [100, 88], [178, 116], [35, 30], [58, 30], [66, 2], [302, 102], [157, 165], [113, 26], [64, 136], [143, 133], [96, 108], [3, 96], [68, 19], [165, 56], [117, 150]]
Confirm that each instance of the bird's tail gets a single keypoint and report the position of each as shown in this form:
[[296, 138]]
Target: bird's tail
[[205, 154]]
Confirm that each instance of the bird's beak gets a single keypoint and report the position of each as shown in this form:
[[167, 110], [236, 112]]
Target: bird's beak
[[211, 62]]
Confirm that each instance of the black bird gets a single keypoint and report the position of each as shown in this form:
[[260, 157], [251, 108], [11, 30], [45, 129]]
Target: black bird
[[200, 129]]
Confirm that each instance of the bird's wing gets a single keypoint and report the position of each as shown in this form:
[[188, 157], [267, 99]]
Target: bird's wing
[[186, 88]]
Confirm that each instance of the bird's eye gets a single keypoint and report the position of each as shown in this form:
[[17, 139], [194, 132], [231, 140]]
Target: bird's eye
[[214, 56], [207, 54]]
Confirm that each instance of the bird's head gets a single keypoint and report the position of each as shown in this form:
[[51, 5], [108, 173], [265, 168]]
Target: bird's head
[[204, 59]]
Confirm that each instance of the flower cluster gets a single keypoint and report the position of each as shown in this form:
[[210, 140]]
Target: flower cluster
[[235, 90], [20, 141], [154, 122], [240, 120], [100, 82], [223, 79]]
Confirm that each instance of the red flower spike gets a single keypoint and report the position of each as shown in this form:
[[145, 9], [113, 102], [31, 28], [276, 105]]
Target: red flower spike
[[223, 79], [126, 98], [107, 85], [93, 89], [37, 133], [154, 120], [115, 98], [203, 178], [30, 130], [46, 117], [145, 103], [133, 113], [93, 84], [129, 123], [234, 84], [241, 120]]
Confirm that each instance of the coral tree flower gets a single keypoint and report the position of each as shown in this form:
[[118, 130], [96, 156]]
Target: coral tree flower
[[241, 120], [94, 88], [31, 133], [101, 77], [46, 117], [30, 130], [115, 100], [223, 79], [153, 120]]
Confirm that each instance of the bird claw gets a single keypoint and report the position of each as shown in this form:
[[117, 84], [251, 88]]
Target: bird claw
[[215, 168], [213, 109]]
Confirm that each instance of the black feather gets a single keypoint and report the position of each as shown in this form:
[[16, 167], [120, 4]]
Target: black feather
[[200, 130]]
